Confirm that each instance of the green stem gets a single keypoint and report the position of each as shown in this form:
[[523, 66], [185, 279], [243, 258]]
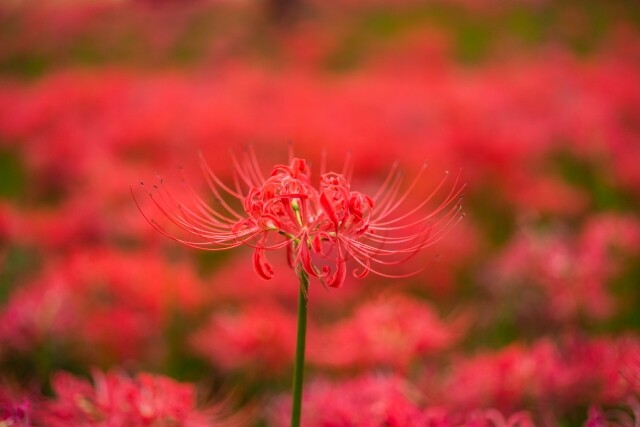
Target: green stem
[[298, 367]]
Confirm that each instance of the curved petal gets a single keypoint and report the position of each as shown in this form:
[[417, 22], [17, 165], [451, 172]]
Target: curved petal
[[261, 265], [337, 279]]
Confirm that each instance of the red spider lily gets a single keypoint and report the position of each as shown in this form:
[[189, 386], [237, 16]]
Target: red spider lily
[[259, 335], [391, 330], [571, 373], [118, 400], [371, 401], [385, 400], [320, 228], [78, 302]]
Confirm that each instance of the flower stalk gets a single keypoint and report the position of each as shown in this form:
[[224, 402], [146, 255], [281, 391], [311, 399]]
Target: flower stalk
[[301, 338]]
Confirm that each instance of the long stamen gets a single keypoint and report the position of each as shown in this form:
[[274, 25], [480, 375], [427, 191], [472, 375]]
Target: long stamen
[[347, 170], [389, 196], [390, 209], [221, 242], [251, 168], [380, 273], [454, 193], [242, 174], [256, 165], [207, 171], [387, 181]]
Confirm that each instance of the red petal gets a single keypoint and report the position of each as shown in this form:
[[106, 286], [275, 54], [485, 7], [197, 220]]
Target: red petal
[[338, 277], [290, 255], [316, 244], [305, 259], [261, 265], [328, 208]]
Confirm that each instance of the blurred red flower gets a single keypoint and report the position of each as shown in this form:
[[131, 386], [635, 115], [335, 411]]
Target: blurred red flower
[[117, 400], [80, 301], [393, 330], [573, 273], [559, 376], [368, 401], [257, 337], [384, 400]]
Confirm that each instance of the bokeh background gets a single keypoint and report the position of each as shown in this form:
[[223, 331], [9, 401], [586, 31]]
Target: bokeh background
[[526, 313]]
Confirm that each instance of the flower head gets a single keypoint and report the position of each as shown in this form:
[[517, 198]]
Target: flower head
[[320, 227], [117, 400]]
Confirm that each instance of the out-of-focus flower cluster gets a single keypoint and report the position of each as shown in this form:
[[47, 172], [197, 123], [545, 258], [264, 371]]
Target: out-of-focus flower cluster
[[523, 314], [115, 399]]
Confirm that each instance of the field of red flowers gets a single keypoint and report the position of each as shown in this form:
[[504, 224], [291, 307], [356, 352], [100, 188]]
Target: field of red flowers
[[524, 311]]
